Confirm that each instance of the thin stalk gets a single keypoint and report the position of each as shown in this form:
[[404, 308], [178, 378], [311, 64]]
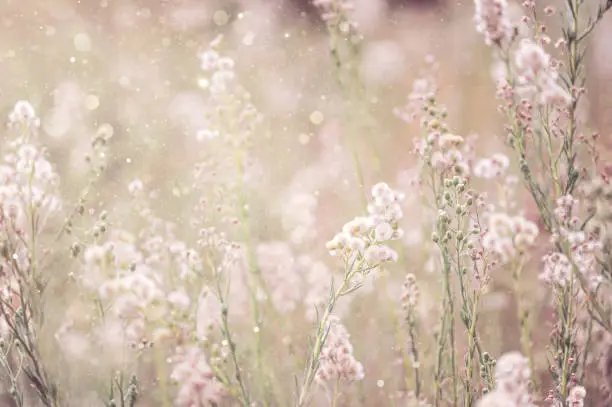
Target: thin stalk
[[451, 325], [416, 363], [225, 331], [567, 320], [321, 335], [399, 338], [336, 392], [467, 401], [253, 273], [439, 371], [523, 318]]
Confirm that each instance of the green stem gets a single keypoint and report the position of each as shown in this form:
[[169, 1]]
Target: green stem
[[321, 335]]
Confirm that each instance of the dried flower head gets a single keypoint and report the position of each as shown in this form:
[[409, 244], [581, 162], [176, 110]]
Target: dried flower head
[[337, 360]]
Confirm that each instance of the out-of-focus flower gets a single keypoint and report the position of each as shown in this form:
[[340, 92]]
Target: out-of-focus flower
[[508, 237], [494, 167], [537, 76], [410, 292], [197, 385], [23, 113], [576, 397], [492, 21], [512, 381]]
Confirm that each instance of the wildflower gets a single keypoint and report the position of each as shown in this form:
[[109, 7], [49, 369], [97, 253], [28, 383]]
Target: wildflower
[[512, 373], [508, 236], [135, 187], [196, 381], [377, 254], [206, 134], [495, 399], [410, 292], [512, 381], [557, 269], [337, 360], [24, 113], [537, 76], [492, 21], [209, 59], [179, 299], [448, 141], [576, 397], [364, 235], [493, 167], [383, 231]]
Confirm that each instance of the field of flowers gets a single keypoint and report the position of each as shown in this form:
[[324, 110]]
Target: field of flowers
[[266, 203]]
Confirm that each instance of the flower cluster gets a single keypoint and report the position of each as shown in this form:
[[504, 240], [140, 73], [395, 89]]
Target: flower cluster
[[583, 248], [136, 299], [537, 76], [512, 381], [337, 360], [490, 168], [23, 114], [423, 91], [410, 292], [28, 181], [231, 115], [492, 21], [196, 381], [576, 397], [557, 269], [508, 237], [363, 236]]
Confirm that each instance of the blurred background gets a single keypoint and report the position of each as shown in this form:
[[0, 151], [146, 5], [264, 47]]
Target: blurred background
[[132, 68]]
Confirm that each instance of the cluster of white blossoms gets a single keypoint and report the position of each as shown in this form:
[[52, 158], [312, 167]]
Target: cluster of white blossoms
[[23, 114], [117, 271], [492, 21], [363, 237], [512, 381], [197, 383], [558, 268], [221, 69], [450, 154], [537, 76], [136, 298], [509, 236], [28, 181], [490, 168], [423, 90], [337, 360], [576, 397], [231, 113]]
